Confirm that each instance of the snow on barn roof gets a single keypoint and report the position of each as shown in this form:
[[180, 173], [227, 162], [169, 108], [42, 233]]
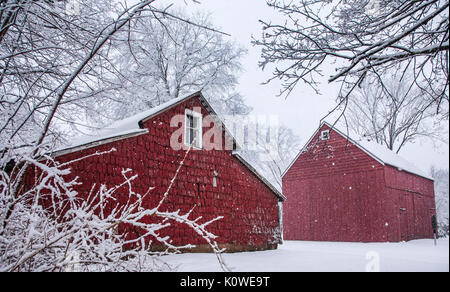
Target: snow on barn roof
[[125, 128], [131, 126], [391, 158], [377, 151]]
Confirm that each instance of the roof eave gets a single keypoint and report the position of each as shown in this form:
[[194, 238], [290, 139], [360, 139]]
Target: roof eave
[[98, 143]]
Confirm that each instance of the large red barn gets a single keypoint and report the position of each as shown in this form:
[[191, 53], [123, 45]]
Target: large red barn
[[217, 182], [341, 189]]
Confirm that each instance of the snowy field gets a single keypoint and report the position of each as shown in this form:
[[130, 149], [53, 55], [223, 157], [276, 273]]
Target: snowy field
[[297, 256]]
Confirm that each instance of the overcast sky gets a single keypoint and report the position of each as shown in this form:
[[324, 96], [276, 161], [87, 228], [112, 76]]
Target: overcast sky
[[303, 110]]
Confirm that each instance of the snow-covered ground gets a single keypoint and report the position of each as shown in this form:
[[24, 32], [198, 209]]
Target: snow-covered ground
[[297, 256]]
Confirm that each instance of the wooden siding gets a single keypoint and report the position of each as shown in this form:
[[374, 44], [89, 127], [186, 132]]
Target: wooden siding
[[337, 192]]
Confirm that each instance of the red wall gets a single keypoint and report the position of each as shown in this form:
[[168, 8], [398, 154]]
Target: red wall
[[249, 207], [412, 204], [336, 192]]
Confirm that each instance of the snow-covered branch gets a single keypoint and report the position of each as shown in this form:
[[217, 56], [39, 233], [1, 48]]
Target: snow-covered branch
[[360, 38], [48, 226]]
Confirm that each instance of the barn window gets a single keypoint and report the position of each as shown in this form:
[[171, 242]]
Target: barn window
[[193, 129], [325, 135]]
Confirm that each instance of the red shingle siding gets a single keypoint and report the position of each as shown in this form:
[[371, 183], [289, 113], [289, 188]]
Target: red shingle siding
[[413, 204], [249, 207], [337, 192]]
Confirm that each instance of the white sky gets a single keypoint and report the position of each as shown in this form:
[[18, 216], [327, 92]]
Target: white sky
[[303, 109]]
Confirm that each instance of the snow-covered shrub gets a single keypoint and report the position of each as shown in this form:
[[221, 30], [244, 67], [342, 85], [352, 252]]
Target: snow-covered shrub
[[50, 227]]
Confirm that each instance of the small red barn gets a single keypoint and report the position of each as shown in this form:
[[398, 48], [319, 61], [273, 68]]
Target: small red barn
[[341, 189], [218, 182]]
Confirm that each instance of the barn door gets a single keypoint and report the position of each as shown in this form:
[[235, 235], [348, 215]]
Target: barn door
[[410, 211], [408, 217], [403, 217], [403, 224]]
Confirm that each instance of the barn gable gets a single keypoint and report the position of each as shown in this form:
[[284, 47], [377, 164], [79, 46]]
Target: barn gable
[[337, 155], [134, 126], [129, 127], [376, 151]]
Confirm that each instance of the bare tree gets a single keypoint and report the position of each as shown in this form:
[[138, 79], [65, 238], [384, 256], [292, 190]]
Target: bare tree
[[50, 60], [163, 59], [392, 120], [360, 38], [287, 146], [272, 158]]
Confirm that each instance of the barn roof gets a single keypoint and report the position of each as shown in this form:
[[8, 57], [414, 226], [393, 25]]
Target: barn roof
[[378, 152], [132, 126], [118, 130]]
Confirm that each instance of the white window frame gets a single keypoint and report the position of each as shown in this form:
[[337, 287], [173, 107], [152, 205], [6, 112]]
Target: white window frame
[[199, 129], [325, 135]]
